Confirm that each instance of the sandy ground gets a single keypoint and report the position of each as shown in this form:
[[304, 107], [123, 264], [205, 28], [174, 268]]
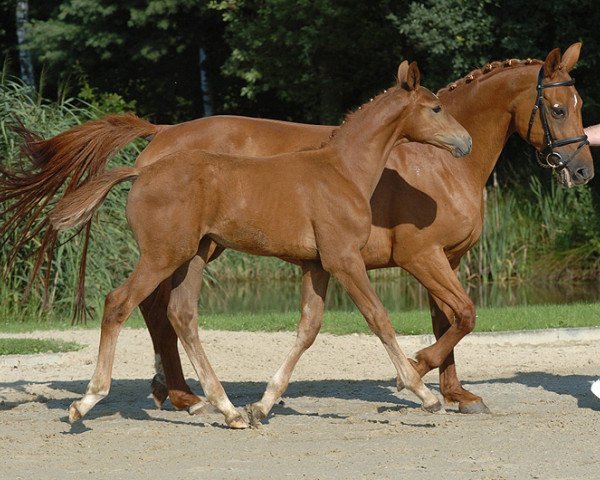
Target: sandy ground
[[340, 418]]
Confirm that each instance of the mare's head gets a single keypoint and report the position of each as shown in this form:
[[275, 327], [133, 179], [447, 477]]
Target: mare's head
[[549, 118], [426, 119]]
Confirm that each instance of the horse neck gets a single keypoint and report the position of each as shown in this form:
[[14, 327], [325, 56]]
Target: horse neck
[[363, 144], [486, 109]]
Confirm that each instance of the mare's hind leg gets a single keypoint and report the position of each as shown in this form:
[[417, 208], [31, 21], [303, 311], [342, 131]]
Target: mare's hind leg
[[314, 288], [453, 316], [182, 313], [350, 270], [117, 308], [169, 380]]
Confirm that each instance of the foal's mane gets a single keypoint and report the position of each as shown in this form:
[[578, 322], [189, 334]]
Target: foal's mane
[[351, 114], [488, 70]]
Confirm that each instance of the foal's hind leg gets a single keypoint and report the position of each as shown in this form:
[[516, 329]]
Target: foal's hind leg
[[183, 313], [350, 271], [314, 288], [118, 306], [169, 380]]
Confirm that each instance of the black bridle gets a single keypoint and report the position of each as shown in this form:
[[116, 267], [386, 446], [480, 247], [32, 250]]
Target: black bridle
[[547, 157]]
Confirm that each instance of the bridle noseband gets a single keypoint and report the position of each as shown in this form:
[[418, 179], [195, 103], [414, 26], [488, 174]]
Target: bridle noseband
[[547, 157]]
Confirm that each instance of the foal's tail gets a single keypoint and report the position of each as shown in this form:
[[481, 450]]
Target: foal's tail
[[79, 206], [59, 165]]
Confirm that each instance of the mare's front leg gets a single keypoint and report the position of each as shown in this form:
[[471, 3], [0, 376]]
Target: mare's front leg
[[349, 269], [183, 312], [450, 385], [453, 317], [169, 380], [314, 288]]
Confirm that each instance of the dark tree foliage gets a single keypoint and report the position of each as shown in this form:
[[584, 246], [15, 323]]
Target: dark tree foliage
[[147, 51], [317, 57]]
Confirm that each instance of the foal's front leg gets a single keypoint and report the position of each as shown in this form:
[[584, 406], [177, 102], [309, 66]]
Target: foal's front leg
[[349, 269], [183, 313], [314, 288]]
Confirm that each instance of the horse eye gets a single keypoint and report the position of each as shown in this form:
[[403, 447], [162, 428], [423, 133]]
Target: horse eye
[[559, 112], [437, 109]]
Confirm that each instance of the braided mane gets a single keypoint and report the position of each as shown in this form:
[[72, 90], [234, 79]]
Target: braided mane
[[488, 69], [491, 67]]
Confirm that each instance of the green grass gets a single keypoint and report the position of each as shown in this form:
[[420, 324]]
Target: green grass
[[341, 323], [22, 346]]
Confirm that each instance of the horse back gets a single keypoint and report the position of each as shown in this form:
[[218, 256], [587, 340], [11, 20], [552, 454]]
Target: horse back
[[235, 135]]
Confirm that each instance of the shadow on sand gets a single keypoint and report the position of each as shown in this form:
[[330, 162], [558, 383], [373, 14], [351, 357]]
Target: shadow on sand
[[576, 386], [129, 398]]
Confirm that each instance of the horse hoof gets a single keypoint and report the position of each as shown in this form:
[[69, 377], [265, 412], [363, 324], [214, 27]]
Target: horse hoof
[[473, 408], [255, 415], [196, 408], [74, 413], [434, 408], [202, 407], [159, 390], [237, 423], [400, 384]]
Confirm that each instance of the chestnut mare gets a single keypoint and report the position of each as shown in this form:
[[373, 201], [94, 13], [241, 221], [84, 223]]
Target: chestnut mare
[[309, 207], [426, 213]]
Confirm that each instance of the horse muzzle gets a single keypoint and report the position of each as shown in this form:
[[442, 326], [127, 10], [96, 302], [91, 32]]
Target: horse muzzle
[[461, 146]]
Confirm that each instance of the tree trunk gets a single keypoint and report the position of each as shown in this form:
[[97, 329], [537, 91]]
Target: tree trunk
[[207, 104], [22, 16]]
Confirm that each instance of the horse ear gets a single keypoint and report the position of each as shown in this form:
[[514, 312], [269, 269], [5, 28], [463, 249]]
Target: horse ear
[[552, 63], [570, 57], [402, 73], [409, 77]]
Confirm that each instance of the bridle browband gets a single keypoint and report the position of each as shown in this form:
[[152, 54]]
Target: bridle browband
[[547, 157]]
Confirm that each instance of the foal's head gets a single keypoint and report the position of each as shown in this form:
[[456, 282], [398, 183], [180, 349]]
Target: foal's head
[[549, 117], [426, 119]]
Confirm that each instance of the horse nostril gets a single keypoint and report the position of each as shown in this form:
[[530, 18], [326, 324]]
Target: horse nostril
[[469, 144], [582, 173], [466, 146]]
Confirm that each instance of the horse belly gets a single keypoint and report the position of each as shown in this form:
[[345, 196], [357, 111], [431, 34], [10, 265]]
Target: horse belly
[[455, 234], [271, 241], [377, 253]]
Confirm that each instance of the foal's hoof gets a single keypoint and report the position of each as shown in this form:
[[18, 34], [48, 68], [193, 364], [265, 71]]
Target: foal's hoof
[[160, 392], [74, 413], [473, 408], [434, 408], [400, 384], [255, 415], [237, 423], [202, 407]]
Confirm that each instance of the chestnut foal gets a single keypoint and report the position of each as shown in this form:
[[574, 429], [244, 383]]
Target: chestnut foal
[[309, 207]]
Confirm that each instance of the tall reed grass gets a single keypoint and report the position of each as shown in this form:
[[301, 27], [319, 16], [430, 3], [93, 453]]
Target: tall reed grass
[[536, 232]]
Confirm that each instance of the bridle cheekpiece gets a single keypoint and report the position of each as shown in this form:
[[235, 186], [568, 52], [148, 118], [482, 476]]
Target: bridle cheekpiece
[[547, 157]]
